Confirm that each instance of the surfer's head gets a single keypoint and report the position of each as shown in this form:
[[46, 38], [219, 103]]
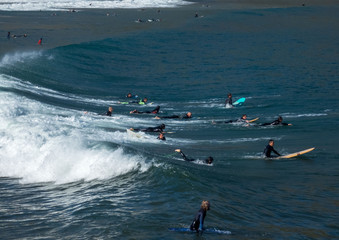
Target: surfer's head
[[229, 95], [271, 142], [209, 160], [110, 109], [145, 99], [244, 117], [129, 95], [189, 114], [280, 118], [162, 126], [205, 205]]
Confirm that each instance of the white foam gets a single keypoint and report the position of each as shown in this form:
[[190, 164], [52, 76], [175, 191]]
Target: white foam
[[39, 145], [294, 115], [13, 58], [49, 5]]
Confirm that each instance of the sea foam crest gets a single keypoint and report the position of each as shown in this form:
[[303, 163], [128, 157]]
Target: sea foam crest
[[48, 5], [9, 59], [39, 146]]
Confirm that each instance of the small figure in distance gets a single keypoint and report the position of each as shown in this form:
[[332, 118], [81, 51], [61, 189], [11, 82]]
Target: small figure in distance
[[9, 35], [161, 136], [109, 112], [186, 116], [159, 128], [209, 160], [40, 41], [198, 222], [269, 149], [229, 101], [129, 95], [154, 111], [277, 122], [143, 101], [243, 119]]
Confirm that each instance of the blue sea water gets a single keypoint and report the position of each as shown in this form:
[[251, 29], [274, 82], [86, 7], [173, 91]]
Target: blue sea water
[[67, 172]]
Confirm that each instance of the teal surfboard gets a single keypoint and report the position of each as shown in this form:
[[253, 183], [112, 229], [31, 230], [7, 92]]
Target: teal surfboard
[[239, 102]]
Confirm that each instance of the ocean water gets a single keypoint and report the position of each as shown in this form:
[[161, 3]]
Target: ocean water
[[48, 5], [67, 172]]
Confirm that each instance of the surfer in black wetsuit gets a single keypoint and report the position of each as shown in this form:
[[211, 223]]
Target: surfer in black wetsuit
[[159, 128], [229, 101], [198, 222], [209, 160], [154, 111], [243, 119], [108, 113], [161, 136], [269, 149], [277, 122], [186, 116]]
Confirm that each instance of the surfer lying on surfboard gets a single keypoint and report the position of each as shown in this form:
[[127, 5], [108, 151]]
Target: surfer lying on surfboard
[[277, 122], [159, 128], [209, 160], [154, 111], [186, 116], [243, 119]]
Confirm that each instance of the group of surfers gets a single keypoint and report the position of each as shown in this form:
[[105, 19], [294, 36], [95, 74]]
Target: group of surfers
[[198, 222]]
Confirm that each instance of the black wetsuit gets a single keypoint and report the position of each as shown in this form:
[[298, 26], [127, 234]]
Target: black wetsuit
[[150, 129], [176, 116], [108, 113], [198, 221], [186, 158], [229, 101], [268, 150], [192, 159], [240, 120], [163, 138], [154, 111], [275, 123]]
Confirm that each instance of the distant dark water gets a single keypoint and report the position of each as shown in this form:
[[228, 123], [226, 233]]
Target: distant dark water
[[67, 174]]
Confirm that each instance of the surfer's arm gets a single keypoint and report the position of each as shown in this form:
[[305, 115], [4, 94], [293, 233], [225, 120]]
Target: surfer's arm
[[184, 156], [276, 152]]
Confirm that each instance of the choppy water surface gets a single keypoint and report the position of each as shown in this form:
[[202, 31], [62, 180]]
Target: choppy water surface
[[67, 172]]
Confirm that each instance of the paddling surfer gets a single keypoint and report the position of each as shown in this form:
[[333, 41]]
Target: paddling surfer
[[159, 128], [209, 160], [161, 136], [277, 122], [154, 111], [269, 149], [186, 116]]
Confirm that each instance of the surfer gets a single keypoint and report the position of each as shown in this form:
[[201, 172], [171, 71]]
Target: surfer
[[40, 41], [161, 136], [209, 160], [186, 116], [129, 95], [198, 222], [229, 102], [243, 119], [277, 122], [154, 111], [269, 149], [109, 112], [159, 128]]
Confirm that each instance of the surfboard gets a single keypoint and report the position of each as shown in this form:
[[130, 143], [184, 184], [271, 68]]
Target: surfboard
[[239, 102], [253, 120], [208, 230], [133, 134], [296, 153]]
